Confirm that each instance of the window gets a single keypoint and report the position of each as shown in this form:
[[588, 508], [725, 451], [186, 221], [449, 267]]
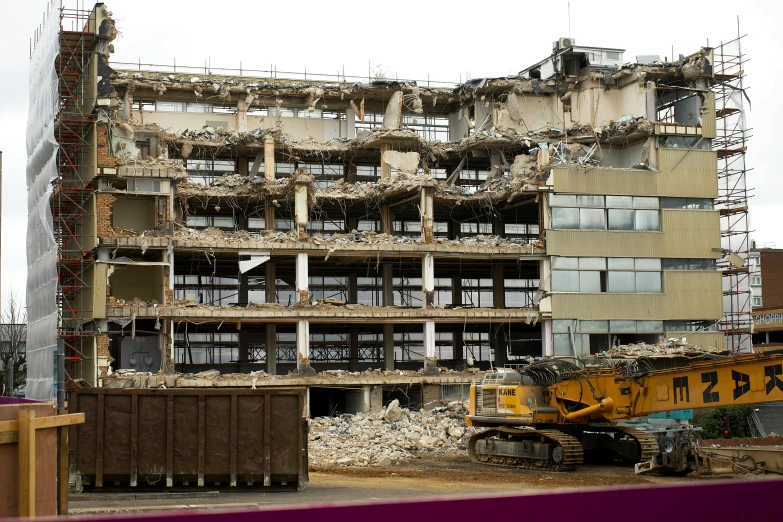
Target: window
[[205, 172], [170, 106], [757, 300], [755, 280], [598, 274], [199, 107], [612, 55], [689, 264], [688, 203], [610, 213], [428, 126], [224, 222], [755, 260]]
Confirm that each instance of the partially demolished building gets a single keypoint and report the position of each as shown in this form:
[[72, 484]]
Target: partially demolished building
[[240, 222]]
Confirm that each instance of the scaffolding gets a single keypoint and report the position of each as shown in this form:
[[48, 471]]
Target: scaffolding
[[73, 186], [733, 192]]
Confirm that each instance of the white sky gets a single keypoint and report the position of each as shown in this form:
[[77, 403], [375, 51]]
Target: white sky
[[411, 39]]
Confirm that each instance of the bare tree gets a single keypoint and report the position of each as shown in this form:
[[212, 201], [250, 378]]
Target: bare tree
[[13, 340]]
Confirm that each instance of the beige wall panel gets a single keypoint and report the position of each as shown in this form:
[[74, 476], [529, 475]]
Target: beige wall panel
[[682, 174], [177, 121], [687, 295], [708, 123], [144, 282], [686, 233], [133, 213], [597, 106], [713, 340], [94, 296]]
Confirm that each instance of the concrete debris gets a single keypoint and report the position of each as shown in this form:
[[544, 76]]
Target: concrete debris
[[403, 162], [670, 348], [381, 440], [259, 378]]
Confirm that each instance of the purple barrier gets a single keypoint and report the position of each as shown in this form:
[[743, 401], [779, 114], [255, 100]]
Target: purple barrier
[[14, 400], [755, 500]]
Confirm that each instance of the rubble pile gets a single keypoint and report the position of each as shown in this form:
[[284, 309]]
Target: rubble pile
[[665, 349], [214, 379], [388, 438]]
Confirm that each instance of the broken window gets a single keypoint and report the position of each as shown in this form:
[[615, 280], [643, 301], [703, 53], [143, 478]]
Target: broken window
[[371, 121], [477, 292], [685, 142], [207, 290], [331, 287], [326, 227], [225, 109], [521, 293], [429, 127], [145, 106], [257, 111], [688, 203], [206, 348], [368, 291], [206, 171]]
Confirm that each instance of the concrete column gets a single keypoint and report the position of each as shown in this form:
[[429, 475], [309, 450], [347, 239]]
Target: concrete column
[[353, 349], [270, 276], [388, 347], [427, 281], [386, 219], [350, 173], [241, 165], [498, 332], [241, 116], [367, 396], [548, 349], [269, 218], [498, 227], [303, 347], [353, 288], [301, 210], [350, 123], [456, 290], [387, 291], [242, 299], [458, 345], [269, 158], [302, 279], [427, 206], [430, 360], [271, 349], [385, 167]]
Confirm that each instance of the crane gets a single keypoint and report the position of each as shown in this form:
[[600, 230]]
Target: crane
[[554, 414]]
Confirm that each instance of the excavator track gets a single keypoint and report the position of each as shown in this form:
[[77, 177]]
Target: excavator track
[[567, 454], [647, 443]]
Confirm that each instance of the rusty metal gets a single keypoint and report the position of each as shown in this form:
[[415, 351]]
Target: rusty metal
[[187, 438], [758, 459]]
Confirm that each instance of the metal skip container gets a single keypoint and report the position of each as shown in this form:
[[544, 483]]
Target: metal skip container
[[186, 438]]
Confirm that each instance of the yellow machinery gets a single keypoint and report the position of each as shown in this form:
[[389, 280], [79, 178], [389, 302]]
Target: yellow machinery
[[554, 414]]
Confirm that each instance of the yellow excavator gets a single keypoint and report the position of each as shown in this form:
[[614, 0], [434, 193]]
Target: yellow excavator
[[556, 414]]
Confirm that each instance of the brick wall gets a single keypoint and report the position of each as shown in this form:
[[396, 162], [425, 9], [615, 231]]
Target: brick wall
[[102, 348], [430, 396], [168, 293], [103, 205], [105, 156]]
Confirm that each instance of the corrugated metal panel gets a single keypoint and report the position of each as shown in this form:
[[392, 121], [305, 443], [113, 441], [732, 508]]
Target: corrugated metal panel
[[703, 339], [688, 295], [682, 174], [686, 233], [708, 125]]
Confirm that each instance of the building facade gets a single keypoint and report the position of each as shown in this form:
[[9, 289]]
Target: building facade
[[242, 221], [766, 281]]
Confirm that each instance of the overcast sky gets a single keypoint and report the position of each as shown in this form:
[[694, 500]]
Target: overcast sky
[[415, 40]]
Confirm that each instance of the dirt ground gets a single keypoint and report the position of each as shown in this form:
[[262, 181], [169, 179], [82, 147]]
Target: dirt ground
[[425, 477]]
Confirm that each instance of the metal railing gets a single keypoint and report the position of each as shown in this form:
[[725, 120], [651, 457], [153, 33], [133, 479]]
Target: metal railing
[[271, 73]]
